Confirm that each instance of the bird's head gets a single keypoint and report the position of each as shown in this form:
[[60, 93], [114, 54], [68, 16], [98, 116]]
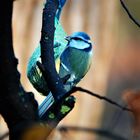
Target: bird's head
[[79, 40]]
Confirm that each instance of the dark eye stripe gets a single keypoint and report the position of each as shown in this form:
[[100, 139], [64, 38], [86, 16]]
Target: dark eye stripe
[[77, 38]]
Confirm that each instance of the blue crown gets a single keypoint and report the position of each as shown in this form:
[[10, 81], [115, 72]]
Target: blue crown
[[81, 35]]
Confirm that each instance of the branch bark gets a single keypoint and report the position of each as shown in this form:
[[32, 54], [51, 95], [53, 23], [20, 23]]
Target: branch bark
[[129, 13], [100, 132], [19, 109], [48, 68], [75, 89], [15, 104], [47, 53]]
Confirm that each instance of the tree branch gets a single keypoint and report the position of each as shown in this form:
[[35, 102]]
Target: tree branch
[[129, 13], [48, 67], [47, 53], [15, 104], [43, 109], [100, 132], [18, 108], [75, 89]]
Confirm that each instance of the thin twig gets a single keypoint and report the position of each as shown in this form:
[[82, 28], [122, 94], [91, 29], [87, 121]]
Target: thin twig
[[100, 132], [129, 13], [83, 129], [99, 97]]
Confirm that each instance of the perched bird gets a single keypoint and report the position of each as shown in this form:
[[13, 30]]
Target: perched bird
[[76, 58], [72, 55], [75, 61]]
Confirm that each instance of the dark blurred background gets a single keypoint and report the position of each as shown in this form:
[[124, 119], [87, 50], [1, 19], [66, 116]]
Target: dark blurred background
[[115, 67]]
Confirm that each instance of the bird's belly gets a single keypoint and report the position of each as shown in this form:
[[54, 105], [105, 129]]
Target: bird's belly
[[77, 65], [77, 61]]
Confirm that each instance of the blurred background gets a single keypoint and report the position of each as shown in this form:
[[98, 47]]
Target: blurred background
[[115, 66]]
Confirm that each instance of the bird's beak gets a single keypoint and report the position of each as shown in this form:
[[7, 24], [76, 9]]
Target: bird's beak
[[68, 38]]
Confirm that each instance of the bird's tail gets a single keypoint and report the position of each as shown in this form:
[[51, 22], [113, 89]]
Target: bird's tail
[[45, 105]]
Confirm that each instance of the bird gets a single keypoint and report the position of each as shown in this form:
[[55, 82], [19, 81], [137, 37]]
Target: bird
[[76, 59], [75, 62], [73, 56]]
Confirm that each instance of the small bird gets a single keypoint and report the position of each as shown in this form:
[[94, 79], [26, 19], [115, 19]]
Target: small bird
[[75, 62], [76, 58], [72, 55]]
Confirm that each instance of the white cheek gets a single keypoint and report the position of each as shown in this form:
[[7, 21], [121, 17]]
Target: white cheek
[[78, 44]]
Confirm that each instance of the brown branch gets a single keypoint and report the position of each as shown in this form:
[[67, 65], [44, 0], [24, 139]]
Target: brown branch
[[15, 105], [129, 13], [18, 108]]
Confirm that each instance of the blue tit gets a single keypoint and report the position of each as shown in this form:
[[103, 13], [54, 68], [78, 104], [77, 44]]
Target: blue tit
[[72, 60], [75, 62], [76, 58]]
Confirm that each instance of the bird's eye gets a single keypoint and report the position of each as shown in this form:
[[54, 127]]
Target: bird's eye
[[76, 38]]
